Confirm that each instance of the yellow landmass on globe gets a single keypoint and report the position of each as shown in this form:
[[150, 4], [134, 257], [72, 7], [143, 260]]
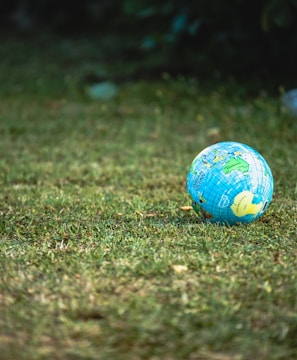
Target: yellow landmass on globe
[[243, 204]]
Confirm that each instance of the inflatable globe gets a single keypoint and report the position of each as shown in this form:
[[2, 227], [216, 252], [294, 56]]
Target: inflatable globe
[[230, 183]]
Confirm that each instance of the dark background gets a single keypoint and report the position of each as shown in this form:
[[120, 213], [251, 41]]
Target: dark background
[[243, 38]]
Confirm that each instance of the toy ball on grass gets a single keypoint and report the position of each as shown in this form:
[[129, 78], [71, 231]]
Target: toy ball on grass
[[230, 183]]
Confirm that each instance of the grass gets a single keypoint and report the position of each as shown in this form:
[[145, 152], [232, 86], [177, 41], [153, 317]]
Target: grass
[[97, 259]]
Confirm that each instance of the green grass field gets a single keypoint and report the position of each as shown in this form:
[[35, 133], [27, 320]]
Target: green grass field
[[98, 261]]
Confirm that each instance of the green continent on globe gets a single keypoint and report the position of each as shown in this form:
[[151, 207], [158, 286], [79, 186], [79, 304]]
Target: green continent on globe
[[235, 164]]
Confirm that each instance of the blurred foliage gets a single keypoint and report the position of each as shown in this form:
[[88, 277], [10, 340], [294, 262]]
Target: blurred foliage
[[238, 35], [188, 35]]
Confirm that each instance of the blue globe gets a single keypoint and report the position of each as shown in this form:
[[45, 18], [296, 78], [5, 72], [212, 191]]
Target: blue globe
[[230, 183]]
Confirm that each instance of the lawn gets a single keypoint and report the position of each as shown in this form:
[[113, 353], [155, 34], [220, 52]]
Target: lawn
[[98, 261]]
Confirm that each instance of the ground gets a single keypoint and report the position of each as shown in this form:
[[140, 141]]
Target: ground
[[99, 257]]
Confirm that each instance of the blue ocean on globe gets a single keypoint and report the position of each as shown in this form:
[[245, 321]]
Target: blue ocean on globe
[[230, 183]]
